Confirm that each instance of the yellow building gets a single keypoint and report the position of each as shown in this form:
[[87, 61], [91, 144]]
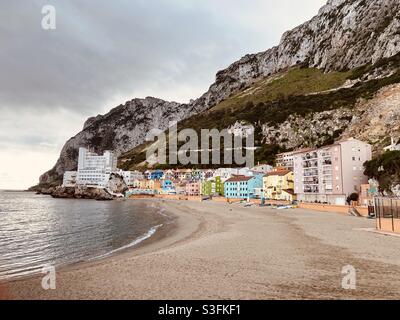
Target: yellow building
[[148, 185], [279, 185]]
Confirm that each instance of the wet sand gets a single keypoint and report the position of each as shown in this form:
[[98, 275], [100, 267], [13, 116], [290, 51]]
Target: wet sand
[[222, 251]]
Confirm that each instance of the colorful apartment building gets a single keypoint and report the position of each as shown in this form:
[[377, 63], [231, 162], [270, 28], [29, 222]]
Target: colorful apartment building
[[156, 175], [242, 187], [192, 188], [208, 174], [183, 174], [169, 174], [330, 174], [130, 177], [368, 192], [148, 184], [145, 186], [197, 175], [180, 188], [279, 185], [212, 187], [168, 186]]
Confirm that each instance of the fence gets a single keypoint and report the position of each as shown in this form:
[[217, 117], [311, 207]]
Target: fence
[[387, 212]]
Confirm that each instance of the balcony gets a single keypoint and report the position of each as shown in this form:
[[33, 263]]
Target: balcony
[[311, 181], [310, 156], [310, 164], [310, 173], [311, 189]]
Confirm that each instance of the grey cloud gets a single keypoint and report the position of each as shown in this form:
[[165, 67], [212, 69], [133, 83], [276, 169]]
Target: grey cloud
[[103, 49], [100, 49]]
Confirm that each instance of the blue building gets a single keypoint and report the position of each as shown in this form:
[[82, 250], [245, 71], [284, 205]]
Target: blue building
[[242, 187], [168, 187], [156, 175]]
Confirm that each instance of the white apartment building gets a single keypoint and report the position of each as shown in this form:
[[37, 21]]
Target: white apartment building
[[227, 173], [330, 174], [262, 168], [131, 176], [285, 160], [69, 179], [95, 170]]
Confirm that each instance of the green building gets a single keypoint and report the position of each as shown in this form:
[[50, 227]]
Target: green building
[[214, 187]]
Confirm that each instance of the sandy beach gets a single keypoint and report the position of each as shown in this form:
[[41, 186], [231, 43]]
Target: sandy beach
[[222, 251]]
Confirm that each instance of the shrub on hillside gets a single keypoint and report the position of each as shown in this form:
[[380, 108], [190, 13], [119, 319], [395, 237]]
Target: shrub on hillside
[[385, 169]]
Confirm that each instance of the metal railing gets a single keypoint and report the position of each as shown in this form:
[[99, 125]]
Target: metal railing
[[387, 208]]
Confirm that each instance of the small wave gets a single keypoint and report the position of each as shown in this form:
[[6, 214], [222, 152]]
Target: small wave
[[144, 237], [162, 211]]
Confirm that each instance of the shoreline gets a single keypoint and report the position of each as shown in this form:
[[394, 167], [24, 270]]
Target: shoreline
[[178, 228], [172, 229], [221, 251]]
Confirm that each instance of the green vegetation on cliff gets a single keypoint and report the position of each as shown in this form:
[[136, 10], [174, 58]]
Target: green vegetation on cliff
[[295, 81], [298, 91], [385, 169]]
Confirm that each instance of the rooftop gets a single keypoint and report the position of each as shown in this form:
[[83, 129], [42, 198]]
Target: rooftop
[[338, 143], [239, 179], [289, 191], [280, 173]]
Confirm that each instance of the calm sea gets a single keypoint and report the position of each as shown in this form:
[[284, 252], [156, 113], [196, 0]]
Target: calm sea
[[38, 230]]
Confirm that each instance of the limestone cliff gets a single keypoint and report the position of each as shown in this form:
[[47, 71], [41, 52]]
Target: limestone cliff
[[123, 128], [344, 35]]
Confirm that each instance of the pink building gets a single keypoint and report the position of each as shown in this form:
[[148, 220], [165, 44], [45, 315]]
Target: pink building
[[180, 188], [193, 188], [330, 174]]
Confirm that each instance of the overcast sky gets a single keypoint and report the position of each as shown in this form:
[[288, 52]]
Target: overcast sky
[[104, 53]]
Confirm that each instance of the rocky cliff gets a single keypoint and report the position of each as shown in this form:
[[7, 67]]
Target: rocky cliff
[[345, 34], [116, 188], [81, 192], [122, 129]]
